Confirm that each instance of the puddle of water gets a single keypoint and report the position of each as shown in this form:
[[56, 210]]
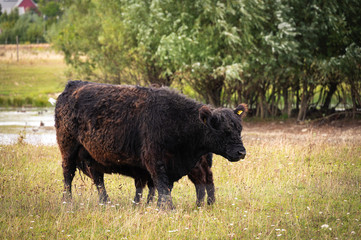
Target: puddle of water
[[35, 124]]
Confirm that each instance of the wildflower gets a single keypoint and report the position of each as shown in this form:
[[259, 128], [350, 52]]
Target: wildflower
[[172, 231], [325, 226], [279, 235], [353, 232]]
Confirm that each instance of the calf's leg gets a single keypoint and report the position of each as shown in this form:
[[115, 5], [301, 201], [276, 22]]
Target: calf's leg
[[151, 191], [200, 187], [98, 179], [86, 163], [210, 187], [202, 178], [139, 185]]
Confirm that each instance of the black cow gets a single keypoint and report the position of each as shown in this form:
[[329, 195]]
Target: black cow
[[135, 131]]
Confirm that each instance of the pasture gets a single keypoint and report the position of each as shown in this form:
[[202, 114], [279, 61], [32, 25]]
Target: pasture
[[38, 75], [296, 182]]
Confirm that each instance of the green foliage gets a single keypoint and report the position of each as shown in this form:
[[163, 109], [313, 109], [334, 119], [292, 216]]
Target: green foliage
[[7, 22], [274, 55], [29, 27]]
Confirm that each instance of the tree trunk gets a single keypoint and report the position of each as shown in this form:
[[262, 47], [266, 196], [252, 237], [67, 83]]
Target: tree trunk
[[307, 94], [262, 104], [332, 89], [303, 108], [214, 88], [290, 101], [285, 99], [355, 99]]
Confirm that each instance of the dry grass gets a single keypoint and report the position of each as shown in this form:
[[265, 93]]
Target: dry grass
[[292, 185], [29, 53]]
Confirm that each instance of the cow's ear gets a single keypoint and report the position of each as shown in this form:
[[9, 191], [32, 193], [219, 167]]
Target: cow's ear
[[208, 118], [205, 114], [241, 110]]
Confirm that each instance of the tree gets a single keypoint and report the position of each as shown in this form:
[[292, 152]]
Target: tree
[[275, 55]]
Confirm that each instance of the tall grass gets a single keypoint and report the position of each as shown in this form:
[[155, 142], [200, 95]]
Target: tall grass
[[283, 189]]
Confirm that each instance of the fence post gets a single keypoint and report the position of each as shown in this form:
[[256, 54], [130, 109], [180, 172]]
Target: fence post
[[17, 48]]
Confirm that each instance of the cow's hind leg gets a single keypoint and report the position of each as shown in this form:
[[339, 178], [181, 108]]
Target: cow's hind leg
[[69, 149]]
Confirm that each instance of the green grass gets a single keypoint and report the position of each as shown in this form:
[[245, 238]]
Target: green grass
[[306, 189], [32, 80]]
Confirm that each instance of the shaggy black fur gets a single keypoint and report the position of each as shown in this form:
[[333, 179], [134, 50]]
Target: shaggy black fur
[[137, 131]]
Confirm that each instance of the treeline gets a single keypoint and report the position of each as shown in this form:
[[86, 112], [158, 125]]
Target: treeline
[[285, 58], [30, 27]]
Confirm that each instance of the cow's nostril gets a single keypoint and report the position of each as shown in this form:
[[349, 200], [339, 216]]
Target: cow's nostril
[[241, 152]]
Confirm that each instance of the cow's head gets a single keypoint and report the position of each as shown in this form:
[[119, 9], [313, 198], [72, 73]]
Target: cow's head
[[223, 134]]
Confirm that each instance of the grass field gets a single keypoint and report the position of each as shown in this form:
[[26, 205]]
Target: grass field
[[38, 75], [304, 184]]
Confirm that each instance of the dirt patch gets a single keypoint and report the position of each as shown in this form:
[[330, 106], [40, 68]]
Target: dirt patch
[[348, 131]]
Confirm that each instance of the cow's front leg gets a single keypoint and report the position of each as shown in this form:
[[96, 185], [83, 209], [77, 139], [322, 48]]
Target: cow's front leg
[[164, 187]]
